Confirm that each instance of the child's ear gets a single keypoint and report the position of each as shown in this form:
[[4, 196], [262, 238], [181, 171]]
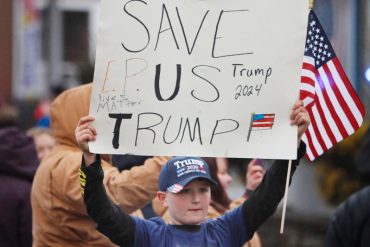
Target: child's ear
[[162, 198]]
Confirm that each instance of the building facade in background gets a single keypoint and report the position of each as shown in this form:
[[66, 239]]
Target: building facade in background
[[51, 43], [46, 44]]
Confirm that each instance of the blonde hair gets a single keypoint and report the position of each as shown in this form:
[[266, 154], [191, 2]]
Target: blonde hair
[[37, 131]]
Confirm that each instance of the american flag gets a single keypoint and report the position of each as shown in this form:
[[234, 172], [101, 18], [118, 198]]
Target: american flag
[[261, 122], [175, 188], [333, 105]]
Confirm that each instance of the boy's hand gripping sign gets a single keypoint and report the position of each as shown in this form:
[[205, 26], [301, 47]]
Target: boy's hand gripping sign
[[200, 78]]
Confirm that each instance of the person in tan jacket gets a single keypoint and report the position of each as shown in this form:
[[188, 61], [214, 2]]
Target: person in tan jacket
[[59, 214]]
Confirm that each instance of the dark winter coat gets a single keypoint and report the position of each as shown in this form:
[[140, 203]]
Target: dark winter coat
[[350, 224], [18, 164]]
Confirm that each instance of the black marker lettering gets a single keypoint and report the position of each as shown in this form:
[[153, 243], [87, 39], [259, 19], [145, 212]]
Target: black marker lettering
[[192, 135], [150, 114], [219, 37], [157, 79], [268, 73], [238, 91], [183, 31], [258, 88], [236, 64], [117, 126], [214, 133], [210, 83], [164, 11], [146, 29], [165, 130]]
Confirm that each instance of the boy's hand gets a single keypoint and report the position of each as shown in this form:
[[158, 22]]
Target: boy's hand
[[85, 133], [300, 117]]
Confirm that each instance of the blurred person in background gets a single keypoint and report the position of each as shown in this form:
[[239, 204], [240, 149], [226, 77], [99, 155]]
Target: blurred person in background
[[254, 175], [350, 224], [44, 140], [220, 201], [41, 114], [59, 214], [17, 168], [126, 162]]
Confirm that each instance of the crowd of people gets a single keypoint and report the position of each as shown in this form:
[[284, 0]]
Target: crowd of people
[[54, 192]]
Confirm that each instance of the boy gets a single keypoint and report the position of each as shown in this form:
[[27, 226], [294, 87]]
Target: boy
[[184, 188]]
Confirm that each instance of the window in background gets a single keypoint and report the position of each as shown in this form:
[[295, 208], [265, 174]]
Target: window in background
[[75, 36]]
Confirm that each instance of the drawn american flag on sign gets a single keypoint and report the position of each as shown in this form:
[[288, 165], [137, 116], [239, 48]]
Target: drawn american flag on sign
[[261, 121], [333, 105]]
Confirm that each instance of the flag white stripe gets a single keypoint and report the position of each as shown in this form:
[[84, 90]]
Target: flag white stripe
[[309, 60], [321, 128], [308, 73], [307, 101], [338, 109], [327, 114], [344, 92], [262, 123], [260, 128], [308, 87]]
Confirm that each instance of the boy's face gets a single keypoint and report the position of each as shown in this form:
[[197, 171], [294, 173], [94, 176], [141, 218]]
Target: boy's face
[[190, 205]]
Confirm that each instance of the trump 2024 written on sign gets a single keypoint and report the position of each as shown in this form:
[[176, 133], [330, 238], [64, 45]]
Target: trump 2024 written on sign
[[201, 78]]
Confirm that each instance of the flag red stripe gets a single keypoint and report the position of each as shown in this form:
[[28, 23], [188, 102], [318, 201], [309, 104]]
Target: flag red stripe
[[304, 94], [330, 106], [308, 66], [308, 80], [262, 125]]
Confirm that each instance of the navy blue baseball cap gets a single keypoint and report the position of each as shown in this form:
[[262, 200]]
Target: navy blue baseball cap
[[179, 171]]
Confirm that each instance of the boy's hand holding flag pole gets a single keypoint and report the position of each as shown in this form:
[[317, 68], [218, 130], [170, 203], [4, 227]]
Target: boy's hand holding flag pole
[[334, 108]]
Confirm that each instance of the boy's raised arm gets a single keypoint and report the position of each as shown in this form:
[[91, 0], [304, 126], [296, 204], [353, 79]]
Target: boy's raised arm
[[130, 189], [264, 200], [118, 226]]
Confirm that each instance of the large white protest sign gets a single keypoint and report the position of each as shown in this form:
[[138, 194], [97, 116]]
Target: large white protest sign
[[201, 78]]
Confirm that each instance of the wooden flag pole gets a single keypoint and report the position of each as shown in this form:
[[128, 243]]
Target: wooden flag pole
[[311, 3], [285, 197], [250, 127]]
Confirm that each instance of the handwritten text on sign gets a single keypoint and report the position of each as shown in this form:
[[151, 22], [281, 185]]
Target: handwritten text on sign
[[202, 78]]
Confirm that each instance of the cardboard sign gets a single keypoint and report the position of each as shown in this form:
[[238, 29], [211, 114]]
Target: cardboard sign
[[199, 78]]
